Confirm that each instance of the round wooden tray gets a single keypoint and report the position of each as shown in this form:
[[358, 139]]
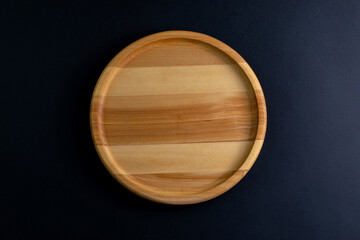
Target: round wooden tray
[[178, 117]]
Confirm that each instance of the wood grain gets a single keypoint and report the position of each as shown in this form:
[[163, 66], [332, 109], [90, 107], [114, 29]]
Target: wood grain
[[178, 117]]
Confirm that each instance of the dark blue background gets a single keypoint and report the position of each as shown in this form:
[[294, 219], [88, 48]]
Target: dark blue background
[[305, 183]]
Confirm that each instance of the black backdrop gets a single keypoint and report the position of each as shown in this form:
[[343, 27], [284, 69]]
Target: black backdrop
[[305, 183]]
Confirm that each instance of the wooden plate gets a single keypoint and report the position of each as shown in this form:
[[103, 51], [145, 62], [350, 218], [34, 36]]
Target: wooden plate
[[178, 117]]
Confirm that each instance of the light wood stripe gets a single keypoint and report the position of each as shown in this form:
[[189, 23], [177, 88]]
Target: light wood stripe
[[178, 80], [175, 52], [217, 157]]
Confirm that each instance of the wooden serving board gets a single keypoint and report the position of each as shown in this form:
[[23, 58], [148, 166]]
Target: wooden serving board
[[178, 117]]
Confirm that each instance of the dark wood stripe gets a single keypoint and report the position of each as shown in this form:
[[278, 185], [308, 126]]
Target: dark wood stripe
[[183, 118]]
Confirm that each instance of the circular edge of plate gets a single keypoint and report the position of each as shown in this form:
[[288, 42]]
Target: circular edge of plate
[[140, 190]]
